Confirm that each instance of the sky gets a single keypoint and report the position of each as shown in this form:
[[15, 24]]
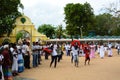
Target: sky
[[52, 11]]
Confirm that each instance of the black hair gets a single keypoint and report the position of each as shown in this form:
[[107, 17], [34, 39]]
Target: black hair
[[76, 47]]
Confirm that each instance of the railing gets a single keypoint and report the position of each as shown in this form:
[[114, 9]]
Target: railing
[[89, 38]]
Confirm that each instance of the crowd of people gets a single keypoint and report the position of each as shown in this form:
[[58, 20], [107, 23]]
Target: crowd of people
[[15, 58], [89, 49]]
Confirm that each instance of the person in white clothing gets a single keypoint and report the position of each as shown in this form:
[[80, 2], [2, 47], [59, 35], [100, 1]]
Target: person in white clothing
[[75, 50], [106, 49], [34, 62], [109, 50], [67, 48], [54, 55], [1, 71], [26, 54], [39, 53], [20, 59], [15, 62], [102, 50], [118, 48], [98, 49]]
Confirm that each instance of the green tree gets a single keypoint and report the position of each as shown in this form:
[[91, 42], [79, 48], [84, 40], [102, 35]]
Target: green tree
[[103, 24], [18, 36], [59, 31], [107, 24], [47, 29], [70, 30], [8, 13], [111, 17], [78, 15]]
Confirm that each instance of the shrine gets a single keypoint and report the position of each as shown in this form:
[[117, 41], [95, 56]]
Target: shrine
[[25, 26]]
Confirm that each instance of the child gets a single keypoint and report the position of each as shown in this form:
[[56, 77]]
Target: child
[[87, 57], [75, 55]]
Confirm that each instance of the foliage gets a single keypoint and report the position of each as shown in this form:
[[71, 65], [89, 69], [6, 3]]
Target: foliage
[[6, 41], [19, 35], [108, 23], [8, 13], [47, 29], [103, 24], [78, 15], [59, 31]]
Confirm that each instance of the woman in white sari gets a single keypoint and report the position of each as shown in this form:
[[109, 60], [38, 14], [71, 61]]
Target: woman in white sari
[[15, 62], [102, 50], [109, 50]]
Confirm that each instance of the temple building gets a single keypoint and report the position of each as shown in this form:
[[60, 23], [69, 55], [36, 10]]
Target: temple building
[[28, 30]]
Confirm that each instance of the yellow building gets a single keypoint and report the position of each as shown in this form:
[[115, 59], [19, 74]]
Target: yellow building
[[24, 24]]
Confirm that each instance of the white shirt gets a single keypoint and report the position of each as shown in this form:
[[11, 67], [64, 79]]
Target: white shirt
[[118, 47], [109, 46], [11, 49], [67, 47], [102, 49], [74, 51], [54, 52], [24, 49], [1, 58]]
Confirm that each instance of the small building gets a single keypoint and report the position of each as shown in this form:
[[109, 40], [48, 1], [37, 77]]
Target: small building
[[24, 25]]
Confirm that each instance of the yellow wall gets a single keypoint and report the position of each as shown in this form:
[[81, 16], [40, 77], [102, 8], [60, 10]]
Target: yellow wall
[[27, 26]]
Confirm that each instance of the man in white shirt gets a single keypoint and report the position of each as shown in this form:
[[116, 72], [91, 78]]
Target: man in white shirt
[[54, 55], [26, 54], [75, 55], [118, 48], [109, 50]]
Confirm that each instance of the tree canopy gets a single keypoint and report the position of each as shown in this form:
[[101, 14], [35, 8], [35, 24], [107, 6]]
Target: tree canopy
[[47, 29], [8, 13], [78, 15], [60, 31], [108, 23]]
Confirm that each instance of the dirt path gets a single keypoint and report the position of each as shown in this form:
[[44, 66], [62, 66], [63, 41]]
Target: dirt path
[[99, 69]]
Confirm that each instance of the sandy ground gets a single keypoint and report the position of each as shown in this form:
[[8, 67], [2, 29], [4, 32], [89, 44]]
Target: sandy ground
[[99, 69]]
